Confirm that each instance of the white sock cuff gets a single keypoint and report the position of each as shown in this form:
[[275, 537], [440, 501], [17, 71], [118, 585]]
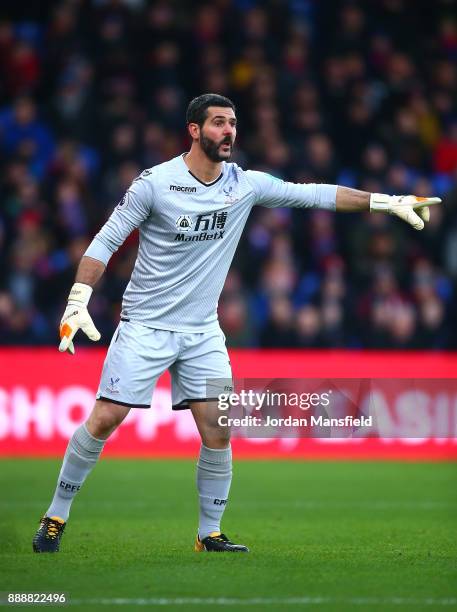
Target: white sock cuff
[[84, 426], [216, 455], [85, 444]]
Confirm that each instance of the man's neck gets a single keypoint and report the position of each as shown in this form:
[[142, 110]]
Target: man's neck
[[203, 168]]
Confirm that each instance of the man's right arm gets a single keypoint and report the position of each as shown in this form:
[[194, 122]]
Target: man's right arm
[[90, 271], [132, 210]]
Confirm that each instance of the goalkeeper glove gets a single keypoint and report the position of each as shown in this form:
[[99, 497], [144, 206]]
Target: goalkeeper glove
[[75, 317], [412, 209]]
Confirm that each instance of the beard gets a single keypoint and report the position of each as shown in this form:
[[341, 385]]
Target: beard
[[211, 148]]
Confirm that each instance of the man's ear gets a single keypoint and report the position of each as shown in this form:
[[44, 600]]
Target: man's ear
[[194, 130]]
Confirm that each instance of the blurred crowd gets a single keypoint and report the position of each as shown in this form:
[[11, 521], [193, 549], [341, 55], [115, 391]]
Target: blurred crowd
[[362, 94]]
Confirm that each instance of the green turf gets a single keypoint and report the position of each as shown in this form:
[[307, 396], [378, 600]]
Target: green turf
[[358, 535]]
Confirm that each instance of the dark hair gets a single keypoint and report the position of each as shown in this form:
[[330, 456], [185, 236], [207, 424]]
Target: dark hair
[[196, 111]]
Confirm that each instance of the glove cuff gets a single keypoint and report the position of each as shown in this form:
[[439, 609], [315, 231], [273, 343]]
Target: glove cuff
[[380, 202], [80, 294]]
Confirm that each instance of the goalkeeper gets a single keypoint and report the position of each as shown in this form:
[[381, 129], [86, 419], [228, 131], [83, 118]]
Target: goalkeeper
[[190, 212]]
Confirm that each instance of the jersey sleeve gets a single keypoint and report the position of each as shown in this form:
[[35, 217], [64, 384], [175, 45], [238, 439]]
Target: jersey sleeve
[[132, 210], [274, 193]]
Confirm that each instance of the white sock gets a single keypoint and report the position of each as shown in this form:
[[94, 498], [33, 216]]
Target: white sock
[[214, 475], [82, 453]]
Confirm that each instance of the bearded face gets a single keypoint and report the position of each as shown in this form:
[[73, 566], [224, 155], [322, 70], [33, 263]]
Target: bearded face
[[216, 150]]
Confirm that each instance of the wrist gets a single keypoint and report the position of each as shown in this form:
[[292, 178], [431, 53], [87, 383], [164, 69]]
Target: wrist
[[380, 202], [80, 294]]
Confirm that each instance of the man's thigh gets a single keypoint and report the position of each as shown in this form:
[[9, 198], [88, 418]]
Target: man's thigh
[[137, 356], [203, 370]]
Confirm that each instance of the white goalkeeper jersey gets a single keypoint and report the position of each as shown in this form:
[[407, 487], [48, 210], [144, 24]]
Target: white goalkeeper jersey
[[189, 231]]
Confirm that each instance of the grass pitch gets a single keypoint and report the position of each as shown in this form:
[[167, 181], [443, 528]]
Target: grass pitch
[[323, 536]]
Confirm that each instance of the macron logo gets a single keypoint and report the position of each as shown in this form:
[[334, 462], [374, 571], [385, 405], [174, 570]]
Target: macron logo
[[184, 189]]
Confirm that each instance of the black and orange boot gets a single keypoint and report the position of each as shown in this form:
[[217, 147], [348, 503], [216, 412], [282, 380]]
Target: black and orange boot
[[218, 542], [50, 531]]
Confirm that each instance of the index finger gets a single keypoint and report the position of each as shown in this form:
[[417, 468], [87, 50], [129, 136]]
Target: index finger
[[420, 202]]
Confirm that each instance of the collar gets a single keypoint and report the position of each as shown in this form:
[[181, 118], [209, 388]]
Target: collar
[[196, 178]]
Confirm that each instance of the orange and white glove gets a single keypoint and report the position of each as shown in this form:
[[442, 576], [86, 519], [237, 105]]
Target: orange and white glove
[[75, 317], [410, 208]]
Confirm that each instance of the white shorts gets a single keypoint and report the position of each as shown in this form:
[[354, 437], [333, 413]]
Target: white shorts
[[198, 363]]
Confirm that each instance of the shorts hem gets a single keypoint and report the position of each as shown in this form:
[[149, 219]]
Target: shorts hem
[[211, 327], [184, 404], [120, 403]]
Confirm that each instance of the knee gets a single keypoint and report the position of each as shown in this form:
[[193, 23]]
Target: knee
[[216, 437], [105, 418]]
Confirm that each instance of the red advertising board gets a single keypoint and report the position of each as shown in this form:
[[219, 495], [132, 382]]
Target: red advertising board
[[45, 395]]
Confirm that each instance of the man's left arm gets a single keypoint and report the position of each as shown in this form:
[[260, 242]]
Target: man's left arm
[[412, 209], [272, 192]]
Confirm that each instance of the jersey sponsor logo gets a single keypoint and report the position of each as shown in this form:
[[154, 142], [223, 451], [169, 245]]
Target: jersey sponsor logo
[[183, 188], [210, 221], [199, 237], [184, 223], [209, 226]]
